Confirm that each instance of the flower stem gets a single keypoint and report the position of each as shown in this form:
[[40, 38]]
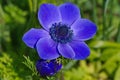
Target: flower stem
[[105, 6], [94, 11]]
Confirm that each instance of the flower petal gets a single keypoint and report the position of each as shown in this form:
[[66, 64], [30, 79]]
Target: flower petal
[[46, 48], [69, 13], [55, 66], [46, 68], [43, 68], [84, 29], [81, 50], [33, 35], [48, 14], [66, 51]]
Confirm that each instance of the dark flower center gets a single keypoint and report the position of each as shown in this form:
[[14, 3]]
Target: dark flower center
[[61, 33]]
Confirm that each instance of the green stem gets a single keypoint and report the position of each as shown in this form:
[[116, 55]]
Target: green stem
[[104, 23], [35, 4], [30, 5], [94, 11], [111, 13], [118, 36], [105, 6], [105, 2]]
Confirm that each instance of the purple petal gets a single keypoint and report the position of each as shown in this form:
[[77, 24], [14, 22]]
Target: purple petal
[[66, 51], [33, 35], [48, 14], [55, 66], [43, 68], [69, 13], [46, 68], [84, 29], [81, 50], [46, 48], [46, 71]]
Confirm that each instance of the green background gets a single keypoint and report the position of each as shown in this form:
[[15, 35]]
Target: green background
[[17, 61]]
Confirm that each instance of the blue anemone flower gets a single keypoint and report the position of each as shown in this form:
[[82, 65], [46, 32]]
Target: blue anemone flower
[[48, 68], [63, 33]]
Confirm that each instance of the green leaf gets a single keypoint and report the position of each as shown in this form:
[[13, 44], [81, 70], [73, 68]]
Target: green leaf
[[15, 14], [104, 44], [108, 53], [70, 64], [118, 36], [7, 71], [117, 75], [106, 6], [111, 64], [93, 55], [30, 65]]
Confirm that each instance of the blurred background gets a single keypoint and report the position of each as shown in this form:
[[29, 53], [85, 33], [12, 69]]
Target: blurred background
[[17, 61]]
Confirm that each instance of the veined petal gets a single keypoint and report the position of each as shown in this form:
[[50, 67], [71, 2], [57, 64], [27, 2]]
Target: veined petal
[[46, 48], [48, 14], [33, 35], [81, 50], [69, 13], [84, 29], [66, 50]]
